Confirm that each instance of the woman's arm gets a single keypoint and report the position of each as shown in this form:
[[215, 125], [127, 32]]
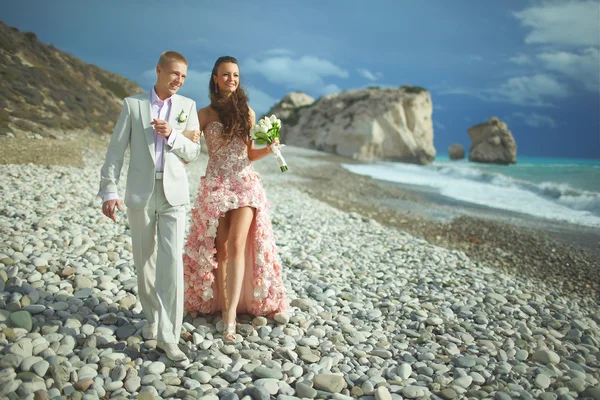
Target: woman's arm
[[253, 153], [194, 135]]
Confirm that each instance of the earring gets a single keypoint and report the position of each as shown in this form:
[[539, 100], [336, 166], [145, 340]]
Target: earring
[[216, 89]]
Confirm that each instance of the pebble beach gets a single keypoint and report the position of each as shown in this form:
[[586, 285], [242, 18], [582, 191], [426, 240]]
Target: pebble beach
[[375, 311]]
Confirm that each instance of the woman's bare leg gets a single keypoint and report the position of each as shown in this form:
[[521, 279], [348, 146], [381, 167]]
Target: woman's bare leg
[[221, 247], [239, 226]]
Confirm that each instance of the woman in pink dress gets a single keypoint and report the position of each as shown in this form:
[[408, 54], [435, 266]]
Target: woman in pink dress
[[230, 258]]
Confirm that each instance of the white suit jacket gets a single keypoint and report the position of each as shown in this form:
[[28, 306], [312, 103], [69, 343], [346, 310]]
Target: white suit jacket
[[133, 130]]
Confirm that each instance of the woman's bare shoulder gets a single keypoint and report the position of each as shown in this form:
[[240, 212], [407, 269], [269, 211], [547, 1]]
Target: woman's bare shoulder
[[203, 112], [207, 115]]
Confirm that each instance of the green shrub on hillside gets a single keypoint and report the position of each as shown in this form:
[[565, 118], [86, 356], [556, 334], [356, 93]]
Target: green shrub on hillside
[[4, 120], [50, 123], [351, 101], [413, 89], [24, 125], [31, 95], [116, 88], [23, 112], [304, 106], [5, 43], [30, 36], [8, 75]]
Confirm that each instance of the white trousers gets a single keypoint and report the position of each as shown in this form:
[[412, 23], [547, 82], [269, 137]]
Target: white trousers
[[157, 238]]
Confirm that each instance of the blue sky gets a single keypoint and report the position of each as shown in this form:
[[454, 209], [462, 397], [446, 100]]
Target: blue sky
[[534, 64]]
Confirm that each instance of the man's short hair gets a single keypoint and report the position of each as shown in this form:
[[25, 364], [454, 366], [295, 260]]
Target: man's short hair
[[171, 56]]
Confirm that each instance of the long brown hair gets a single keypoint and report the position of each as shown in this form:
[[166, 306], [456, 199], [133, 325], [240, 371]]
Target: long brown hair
[[233, 111]]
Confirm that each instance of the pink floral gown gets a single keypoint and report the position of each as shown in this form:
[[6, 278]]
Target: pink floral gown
[[231, 182]]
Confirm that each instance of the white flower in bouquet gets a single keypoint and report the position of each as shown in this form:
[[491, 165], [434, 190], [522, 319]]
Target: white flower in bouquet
[[265, 132]]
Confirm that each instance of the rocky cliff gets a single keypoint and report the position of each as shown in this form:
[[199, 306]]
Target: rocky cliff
[[492, 142], [371, 124], [46, 91]]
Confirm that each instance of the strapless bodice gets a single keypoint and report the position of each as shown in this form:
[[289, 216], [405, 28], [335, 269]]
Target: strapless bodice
[[225, 156]]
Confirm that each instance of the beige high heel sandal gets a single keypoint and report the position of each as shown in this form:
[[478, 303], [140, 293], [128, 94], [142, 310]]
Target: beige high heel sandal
[[228, 330], [229, 333]]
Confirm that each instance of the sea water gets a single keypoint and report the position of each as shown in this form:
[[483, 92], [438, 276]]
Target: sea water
[[559, 189]]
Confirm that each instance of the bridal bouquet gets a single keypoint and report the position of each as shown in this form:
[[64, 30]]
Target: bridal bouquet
[[265, 132]]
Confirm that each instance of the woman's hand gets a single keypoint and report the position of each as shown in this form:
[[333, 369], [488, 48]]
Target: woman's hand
[[194, 135], [275, 142]]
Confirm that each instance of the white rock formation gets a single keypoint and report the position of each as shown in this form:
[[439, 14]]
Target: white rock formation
[[368, 125], [289, 104], [492, 142]]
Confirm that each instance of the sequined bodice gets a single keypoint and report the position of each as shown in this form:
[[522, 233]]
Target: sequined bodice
[[225, 156]]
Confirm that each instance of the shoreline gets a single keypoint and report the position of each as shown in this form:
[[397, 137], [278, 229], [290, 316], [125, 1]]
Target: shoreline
[[581, 234], [562, 254]]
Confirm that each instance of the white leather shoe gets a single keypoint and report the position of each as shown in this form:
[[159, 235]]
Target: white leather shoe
[[172, 351], [150, 331]]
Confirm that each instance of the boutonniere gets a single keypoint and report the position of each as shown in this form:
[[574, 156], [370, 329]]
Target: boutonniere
[[181, 117]]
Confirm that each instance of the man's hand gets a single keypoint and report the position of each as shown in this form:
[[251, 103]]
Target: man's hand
[[162, 127], [109, 207], [194, 136]]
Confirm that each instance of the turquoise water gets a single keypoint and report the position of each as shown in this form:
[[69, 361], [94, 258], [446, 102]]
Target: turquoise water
[[554, 188], [581, 174]]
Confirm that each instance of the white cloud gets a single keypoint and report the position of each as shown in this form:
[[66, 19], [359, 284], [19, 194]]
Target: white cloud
[[536, 120], [529, 90], [566, 36], [521, 59], [365, 73], [278, 52], [573, 23], [439, 125], [537, 90], [584, 67], [306, 73]]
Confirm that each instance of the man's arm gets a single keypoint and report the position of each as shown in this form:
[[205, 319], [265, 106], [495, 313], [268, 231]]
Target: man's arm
[[183, 147], [111, 170]]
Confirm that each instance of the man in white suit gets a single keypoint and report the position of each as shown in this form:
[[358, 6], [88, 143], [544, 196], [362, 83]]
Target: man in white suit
[[152, 125]]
